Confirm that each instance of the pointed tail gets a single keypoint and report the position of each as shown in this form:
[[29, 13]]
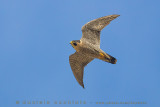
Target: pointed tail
[[108, 58], [113, 60]]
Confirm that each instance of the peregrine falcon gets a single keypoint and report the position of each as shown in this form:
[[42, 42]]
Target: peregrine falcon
[[88, 47]]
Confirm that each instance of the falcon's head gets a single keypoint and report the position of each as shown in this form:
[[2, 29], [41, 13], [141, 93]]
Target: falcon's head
[[75, 43]]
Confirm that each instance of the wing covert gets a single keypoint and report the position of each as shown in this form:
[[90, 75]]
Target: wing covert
[[77, 62], [91, 30]]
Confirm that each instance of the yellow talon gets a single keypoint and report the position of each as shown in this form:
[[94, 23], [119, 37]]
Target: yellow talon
[[101, 55]]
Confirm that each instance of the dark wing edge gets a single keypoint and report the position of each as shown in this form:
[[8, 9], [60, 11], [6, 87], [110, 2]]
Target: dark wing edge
[[100, 23], [78, 62], [91, 30]]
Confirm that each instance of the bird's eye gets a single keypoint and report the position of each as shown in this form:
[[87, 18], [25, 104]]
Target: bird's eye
[[74, 44]]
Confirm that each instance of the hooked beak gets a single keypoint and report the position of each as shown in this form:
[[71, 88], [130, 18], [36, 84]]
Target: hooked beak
[[71, 42]]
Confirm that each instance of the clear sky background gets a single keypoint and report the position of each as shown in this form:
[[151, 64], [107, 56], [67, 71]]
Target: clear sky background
[[35, 49]]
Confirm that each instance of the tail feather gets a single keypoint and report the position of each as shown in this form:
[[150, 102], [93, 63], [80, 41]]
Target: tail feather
[[110, 59], [113, 60]]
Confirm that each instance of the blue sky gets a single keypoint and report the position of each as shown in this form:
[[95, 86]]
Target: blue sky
[[35, 49]]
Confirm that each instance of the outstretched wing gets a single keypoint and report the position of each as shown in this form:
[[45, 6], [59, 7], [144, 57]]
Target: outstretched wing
[[91, 30], [77, 62]]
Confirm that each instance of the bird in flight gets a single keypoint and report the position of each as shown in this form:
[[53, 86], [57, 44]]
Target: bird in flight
[[88, 47]]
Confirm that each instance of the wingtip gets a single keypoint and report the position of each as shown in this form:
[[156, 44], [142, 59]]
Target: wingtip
[[116, 15], [83, 86]]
